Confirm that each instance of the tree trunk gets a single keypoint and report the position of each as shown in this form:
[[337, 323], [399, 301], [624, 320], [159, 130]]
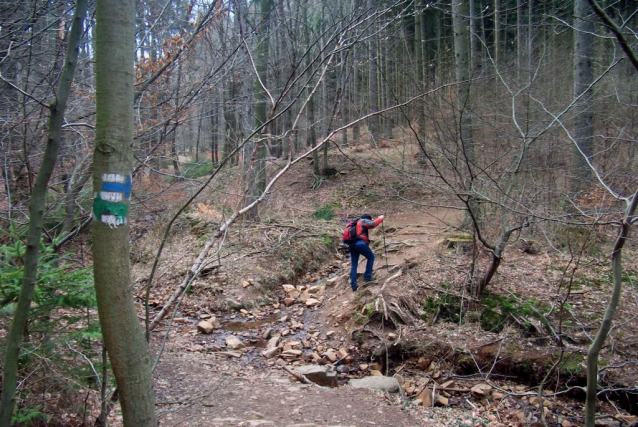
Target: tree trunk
[[373, 88], [460, 12], [112, 163], [36, 218], [605, 327], [497, 31], [475, 46], [257, 165], [583, 78]]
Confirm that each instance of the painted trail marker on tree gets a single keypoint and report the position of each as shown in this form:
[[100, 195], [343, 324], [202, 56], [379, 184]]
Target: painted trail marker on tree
[[111, 202]]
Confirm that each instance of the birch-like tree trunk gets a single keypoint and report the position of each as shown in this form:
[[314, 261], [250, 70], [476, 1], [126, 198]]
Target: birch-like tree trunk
[[112, 163]]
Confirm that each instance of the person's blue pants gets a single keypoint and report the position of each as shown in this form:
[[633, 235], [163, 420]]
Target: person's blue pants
[[360, 248]]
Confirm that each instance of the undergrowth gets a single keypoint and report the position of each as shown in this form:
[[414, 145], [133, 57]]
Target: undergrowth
[[61, 349]]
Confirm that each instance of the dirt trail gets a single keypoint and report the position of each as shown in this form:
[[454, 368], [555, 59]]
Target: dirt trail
[[199, 384]]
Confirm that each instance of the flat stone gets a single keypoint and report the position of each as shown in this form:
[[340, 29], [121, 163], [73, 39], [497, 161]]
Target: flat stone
[[233, 342], [289, 301], [442, 401], [320, 375], [331, 355], [304, 297], [292, 345], [273, 342], [481, 390], [291, 354], [425, 398], [205, 327], [289, 289], [269, 353], [312, 302], [232, 304], [245, 283], [376, 383]]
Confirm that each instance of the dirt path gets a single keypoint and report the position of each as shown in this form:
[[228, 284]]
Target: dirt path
[[201, 382], [198, 383]]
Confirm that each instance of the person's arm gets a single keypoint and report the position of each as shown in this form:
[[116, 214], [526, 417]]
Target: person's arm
[[372, 224]]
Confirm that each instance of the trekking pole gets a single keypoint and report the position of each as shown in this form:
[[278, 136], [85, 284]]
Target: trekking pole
[[385, 248]]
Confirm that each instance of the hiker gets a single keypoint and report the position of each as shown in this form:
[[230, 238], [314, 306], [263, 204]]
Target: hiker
[[356, 237]]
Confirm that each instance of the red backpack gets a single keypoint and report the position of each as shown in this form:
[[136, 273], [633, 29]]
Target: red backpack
[[350, 233]]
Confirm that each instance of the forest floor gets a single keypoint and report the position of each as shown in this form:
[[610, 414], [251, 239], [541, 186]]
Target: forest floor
[[459, 361]]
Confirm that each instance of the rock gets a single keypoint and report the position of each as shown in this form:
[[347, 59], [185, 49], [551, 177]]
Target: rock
[[321, 375], [566, 423], [233, 342], [273, 342], [312, 302], [442, 401], [375, 373], [376, 366], [292, 345], [289, 289], [296, 325], [205, 327], [232, 304], [376, 383], [267, 334], [331, 355], [425, 398], [291, 354], [285, 318], [329, 334], [245, 283], [269, 353], [236, 354], [392, 336], [497, 395], [244, 311], [342, 353], [289, 301], [481, 390], [334, 280], [363, 366], [304, 297]]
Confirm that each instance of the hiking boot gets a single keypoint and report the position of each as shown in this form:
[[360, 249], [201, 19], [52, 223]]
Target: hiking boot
[[354, 288], [370, 280]]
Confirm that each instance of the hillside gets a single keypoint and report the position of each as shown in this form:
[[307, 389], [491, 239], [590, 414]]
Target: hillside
[[481, 360]]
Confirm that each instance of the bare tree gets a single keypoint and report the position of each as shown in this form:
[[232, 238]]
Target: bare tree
[[36, 212]]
